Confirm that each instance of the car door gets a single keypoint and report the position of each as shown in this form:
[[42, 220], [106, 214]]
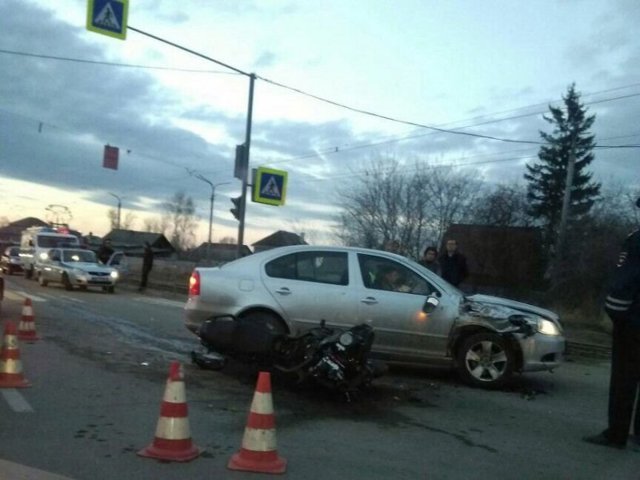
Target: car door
[[119, 261], [311, 286], [49, 267], [402, 329]]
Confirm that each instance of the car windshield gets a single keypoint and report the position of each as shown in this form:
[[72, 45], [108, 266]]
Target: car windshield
[[78, 256]]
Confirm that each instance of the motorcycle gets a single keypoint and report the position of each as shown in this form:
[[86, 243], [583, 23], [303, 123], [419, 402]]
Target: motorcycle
[[337, 359]]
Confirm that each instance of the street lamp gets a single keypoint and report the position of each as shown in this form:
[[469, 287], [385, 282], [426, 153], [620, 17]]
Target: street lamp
[[213, 196], [119, 208]]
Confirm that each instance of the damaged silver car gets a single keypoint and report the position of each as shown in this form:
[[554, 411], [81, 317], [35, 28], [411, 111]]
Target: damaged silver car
[[418, 318]]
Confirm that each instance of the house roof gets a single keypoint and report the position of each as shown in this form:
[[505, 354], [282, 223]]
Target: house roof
[[13, 231], [280, 239], [227, 247], [135, 238]]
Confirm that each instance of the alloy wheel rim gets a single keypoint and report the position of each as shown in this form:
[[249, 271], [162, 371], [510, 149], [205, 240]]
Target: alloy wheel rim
[[486, 361]]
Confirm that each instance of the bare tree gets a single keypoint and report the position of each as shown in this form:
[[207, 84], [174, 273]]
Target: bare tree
[[158, 224], [227, 239], [502, 206], [180, 210], [125, 224], [414, 206], [4, 221]]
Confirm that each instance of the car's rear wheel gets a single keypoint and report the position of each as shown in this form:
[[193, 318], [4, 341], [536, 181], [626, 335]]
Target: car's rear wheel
[[66, 282], [485, 360], [28, 273], [42, 281]]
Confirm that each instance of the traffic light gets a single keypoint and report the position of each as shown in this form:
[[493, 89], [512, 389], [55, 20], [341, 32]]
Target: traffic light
[[237, 202]]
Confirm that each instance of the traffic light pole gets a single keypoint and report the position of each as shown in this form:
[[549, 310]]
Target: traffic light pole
[[245, 174]]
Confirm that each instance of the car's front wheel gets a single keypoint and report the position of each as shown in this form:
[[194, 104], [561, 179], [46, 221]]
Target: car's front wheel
[[42, 281], [485, 360]]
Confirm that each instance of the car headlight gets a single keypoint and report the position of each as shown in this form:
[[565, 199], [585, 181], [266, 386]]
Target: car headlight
[[43, 256], [547, 327], [113, 274]]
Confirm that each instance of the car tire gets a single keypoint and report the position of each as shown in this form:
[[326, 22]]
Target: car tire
[[28, 273], [485, 360], [42, 281], [66, 282], [111, 289]]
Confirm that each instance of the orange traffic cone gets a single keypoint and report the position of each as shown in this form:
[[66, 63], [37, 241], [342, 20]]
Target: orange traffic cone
[[258, 452], [10, 364], [173, 437], [27, 325]]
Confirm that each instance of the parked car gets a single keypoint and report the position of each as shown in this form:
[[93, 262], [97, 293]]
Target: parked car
[[73, 267], [484, 338], [11, 261]]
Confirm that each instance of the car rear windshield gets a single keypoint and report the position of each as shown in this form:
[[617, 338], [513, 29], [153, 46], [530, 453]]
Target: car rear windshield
[[79, 256]]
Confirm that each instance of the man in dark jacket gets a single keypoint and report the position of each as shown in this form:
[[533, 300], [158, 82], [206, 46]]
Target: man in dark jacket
[[430, 259], [453, 265], [147, 265], [105, 251], [622, 304]]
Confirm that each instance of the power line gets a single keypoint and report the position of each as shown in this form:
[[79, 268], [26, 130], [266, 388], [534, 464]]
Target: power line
[[357, 110], [112, 64]]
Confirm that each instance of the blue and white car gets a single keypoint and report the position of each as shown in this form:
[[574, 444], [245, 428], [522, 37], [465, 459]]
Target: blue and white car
[[76, 267]]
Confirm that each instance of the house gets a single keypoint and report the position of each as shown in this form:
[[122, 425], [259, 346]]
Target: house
[[131, 242], [218, 252], [12, 233], [500, 257], [278, 239]]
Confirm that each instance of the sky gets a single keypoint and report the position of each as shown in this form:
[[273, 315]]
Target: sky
[[490, 68]]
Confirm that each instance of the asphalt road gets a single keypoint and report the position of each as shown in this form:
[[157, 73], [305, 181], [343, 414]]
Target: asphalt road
[[99, 373]]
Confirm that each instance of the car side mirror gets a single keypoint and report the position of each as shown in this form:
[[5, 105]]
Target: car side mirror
[[430, 304]]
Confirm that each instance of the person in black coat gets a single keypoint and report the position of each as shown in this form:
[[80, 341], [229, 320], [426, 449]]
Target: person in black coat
[[622, 304], [147, 265], [453, 265], [105, 251]]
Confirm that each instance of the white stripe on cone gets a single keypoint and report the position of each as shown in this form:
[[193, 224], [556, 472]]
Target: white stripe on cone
[[26, 326], [259, 440], [173, 428], [27, 311], [262, 403], [11, 365], [175, 392]]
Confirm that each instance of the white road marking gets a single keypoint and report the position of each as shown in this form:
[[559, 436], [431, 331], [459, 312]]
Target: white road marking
[[22, 295], [16, 401], [161, 301]]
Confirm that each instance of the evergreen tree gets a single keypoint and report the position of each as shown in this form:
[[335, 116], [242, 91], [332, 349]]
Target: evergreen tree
[[547, 178]]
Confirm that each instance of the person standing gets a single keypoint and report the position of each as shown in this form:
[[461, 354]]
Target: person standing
[[430, 259], [622, 304], [453, 264], [105, 251], [147, 265]]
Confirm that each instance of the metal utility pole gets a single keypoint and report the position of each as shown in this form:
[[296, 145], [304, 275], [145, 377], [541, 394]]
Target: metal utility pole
[[252, 78], [119, 209], [245, 179], [213, 196], [564, 215]]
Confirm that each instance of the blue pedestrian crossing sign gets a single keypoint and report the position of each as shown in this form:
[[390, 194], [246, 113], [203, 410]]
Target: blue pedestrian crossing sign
[[270, 186], [108, 17]]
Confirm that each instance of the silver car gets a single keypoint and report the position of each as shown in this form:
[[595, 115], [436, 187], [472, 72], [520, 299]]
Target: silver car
[[293, 288], [77, 267]]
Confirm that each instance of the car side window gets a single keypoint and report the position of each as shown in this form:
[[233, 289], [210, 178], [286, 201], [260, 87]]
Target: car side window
[[379, 273], [320, 267]]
